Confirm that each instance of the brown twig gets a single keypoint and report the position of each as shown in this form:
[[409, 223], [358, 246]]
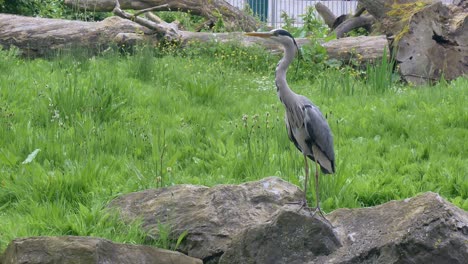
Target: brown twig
[[169, 33]]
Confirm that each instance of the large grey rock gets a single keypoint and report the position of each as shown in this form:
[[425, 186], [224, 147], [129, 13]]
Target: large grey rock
[[86, 250], [252, 223], [423, 229], [212, 216], [291, 237]]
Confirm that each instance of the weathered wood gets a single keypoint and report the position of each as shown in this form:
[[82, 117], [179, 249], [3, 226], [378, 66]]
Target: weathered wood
[[434, 45], [169, 32], [213, 10], [344, 23], [428, 39], [326, 14]]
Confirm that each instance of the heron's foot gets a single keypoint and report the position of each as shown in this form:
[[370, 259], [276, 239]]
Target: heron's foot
[[319, 211], [301, 203]]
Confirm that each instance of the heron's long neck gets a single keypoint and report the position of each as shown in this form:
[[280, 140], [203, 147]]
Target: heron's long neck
[[281, 69]]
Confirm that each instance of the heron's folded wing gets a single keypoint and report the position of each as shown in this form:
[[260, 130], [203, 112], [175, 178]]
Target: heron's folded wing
[[290, 133], [321, 136]]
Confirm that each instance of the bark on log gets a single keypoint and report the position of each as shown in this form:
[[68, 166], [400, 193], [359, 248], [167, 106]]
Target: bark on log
[[233, 18], [363, 49]]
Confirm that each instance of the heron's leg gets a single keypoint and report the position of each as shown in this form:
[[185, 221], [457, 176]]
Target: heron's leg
[[317, 196], [303, 202], [317, 184], [306, 182]]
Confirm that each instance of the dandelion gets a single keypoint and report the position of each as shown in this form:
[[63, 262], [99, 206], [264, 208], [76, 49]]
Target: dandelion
[[244, 119], [255, 118], [56, 115]]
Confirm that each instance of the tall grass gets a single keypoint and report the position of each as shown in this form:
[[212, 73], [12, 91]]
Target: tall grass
[[115, 124], [380, 76]]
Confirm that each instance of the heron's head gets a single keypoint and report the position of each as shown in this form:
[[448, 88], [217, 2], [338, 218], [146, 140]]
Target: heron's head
[[279, 35]]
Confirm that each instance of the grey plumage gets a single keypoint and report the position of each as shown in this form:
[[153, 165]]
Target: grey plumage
[[306, 126]]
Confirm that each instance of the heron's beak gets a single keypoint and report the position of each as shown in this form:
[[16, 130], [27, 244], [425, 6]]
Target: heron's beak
[[259, 34]]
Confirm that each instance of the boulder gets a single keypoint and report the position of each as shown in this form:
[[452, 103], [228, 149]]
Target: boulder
[[73, 249], [293, 236], [211, 216], [253, 223], [423, 229]]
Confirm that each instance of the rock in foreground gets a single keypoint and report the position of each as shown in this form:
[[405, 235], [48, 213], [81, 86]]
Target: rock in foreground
[[73, 249], [212, 216], [253, 223], [291, 237], [422, 229]]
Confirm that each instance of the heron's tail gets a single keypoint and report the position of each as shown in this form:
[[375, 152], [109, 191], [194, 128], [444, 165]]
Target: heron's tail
[[326, 171], [327, 165]]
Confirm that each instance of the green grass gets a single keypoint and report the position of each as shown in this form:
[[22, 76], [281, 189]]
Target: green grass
[[115, 124]]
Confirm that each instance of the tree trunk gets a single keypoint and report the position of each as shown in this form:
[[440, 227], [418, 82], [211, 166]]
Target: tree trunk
[[213, 10]]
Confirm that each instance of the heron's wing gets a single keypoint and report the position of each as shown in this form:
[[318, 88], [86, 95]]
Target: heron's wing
[[290, 133], [320, 136]]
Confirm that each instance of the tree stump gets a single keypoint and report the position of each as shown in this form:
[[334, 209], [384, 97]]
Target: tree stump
[[434, 45], [428, 39]]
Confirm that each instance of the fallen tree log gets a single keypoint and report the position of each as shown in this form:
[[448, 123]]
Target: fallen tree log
[[233, 19], [38, 37], [363, 49]]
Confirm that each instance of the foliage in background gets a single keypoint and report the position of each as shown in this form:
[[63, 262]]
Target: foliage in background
[[49, 9]]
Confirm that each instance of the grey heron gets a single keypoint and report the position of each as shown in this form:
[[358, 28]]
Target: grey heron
[[305, 124]]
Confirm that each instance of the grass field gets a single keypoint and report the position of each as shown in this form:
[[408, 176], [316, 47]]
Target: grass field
[[76, 131]]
